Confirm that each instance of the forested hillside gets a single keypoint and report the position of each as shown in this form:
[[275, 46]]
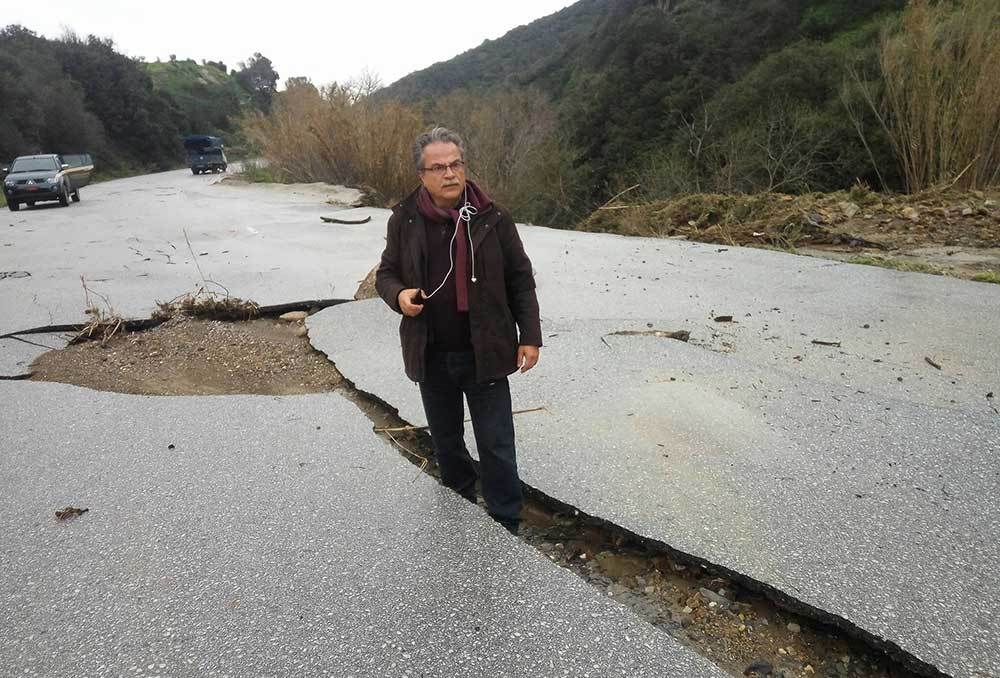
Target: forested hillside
[[81, 94], [206, 94], [721, 88]]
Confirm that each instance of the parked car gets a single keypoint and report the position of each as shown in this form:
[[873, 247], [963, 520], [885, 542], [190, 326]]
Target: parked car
[[205, 154], [37, 178]]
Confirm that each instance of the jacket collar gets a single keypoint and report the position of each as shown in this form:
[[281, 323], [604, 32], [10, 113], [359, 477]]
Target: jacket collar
[[479, 227]]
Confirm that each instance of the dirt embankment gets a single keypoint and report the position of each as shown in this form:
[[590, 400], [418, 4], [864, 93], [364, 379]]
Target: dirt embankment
[[190, 356], [952, 233]]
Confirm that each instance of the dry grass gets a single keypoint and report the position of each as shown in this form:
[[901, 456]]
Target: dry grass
[[207, 304], [941, 88], [338, 136], [898, 265], [104, 322], [103, 326], [788, 221], [713, 217], [341, 134]]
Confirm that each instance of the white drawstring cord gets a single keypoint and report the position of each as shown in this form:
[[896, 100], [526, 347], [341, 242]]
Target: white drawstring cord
[[465, 213], [451, 265]]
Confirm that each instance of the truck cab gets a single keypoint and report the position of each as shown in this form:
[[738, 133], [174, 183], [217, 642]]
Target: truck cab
[[205, 154]]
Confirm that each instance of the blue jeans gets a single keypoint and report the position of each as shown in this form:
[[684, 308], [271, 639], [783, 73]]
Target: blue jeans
[[448, 377]]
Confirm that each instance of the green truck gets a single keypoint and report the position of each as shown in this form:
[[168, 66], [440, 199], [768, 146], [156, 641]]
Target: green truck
[[205, 154]]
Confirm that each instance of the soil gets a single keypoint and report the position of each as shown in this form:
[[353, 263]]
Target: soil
[[954, 233], [735, 628], [186, 356], [668, 590]]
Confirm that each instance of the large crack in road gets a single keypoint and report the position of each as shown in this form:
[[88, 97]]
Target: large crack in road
[[744, 626]]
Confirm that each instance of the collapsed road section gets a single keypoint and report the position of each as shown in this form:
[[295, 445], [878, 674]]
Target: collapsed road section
[[258, 535], [742, 625], [854, 501]]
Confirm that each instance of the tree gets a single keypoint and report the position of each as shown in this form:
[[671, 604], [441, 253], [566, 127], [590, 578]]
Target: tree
[[300, 81], [259, 78], [44, 110], [140, 122]]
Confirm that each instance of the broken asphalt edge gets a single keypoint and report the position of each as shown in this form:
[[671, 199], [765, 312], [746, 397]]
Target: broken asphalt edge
[[780, 598], [149, 323]]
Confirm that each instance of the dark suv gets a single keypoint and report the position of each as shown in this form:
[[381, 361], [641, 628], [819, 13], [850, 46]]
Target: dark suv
[[205, 154], [35, 178]]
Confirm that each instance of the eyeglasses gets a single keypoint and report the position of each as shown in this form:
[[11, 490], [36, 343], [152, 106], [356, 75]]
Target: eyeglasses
[[455, 167]]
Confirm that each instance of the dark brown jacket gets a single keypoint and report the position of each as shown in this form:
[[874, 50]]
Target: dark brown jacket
[[502, 296]]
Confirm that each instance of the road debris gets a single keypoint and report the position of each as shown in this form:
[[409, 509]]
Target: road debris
[[679, 335], [346, 222], [204, 303], [70, 512], [823, 342], [932, 363]]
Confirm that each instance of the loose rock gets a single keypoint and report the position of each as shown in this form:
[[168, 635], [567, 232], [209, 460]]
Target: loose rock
[[713, 597], [848, 208]]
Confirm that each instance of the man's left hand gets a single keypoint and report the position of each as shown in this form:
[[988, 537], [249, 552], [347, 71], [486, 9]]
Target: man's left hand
[[527, 357]]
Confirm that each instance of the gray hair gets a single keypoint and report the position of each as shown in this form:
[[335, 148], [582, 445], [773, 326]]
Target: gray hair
[[442, 134]]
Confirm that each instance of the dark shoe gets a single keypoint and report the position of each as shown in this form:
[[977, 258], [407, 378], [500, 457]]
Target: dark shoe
[[511, 526]]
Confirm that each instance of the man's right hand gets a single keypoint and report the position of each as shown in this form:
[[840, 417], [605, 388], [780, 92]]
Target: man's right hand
[[411, 302]]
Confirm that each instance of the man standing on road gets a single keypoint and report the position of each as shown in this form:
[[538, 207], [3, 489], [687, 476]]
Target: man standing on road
[[456, 270]]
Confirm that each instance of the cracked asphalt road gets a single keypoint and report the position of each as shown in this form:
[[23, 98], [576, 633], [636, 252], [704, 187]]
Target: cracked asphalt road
[[127, 238], [239, 535], [253, 535], [858, 479]]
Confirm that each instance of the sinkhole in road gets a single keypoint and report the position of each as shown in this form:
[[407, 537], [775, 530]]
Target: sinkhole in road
[[743, 626]]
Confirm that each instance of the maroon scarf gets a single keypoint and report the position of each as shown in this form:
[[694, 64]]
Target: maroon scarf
[[431, 212]]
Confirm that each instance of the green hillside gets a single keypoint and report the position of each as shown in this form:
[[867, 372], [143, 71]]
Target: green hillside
[[208, 96], [713, 88], [76, 94], [540, 51]]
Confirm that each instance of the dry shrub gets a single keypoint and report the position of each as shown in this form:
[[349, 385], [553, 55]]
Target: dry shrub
[[207, 304], [102, 327], [516, 149], [502, 131], [338, 135], [342, 134], [384, 135], [941, 87], [104, 323]]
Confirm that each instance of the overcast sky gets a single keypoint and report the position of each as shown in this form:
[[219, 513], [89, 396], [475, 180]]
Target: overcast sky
[[325, 41]]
